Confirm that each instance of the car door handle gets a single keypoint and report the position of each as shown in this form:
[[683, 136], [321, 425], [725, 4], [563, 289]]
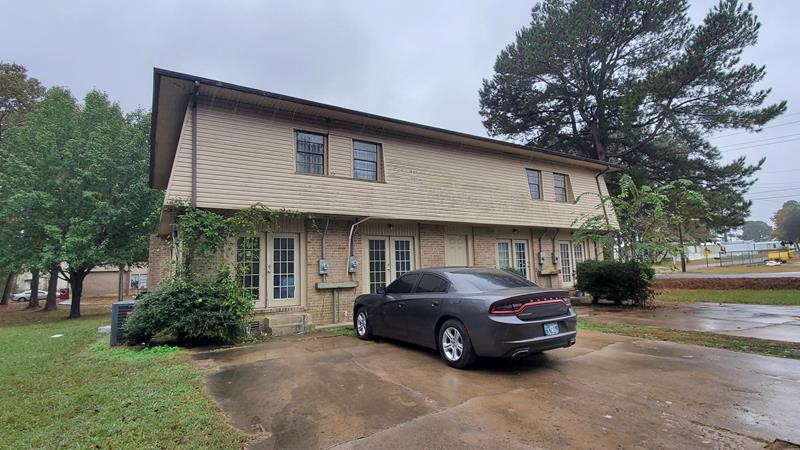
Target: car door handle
[[400, 305], [434, 303]]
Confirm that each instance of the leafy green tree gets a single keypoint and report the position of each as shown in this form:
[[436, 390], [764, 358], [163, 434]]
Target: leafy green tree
[[635, 82], [787, 221], [648, 217], [19, 94], [756, 230], [90, 194]]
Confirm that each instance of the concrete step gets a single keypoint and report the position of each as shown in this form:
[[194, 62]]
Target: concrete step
[[288, 324]]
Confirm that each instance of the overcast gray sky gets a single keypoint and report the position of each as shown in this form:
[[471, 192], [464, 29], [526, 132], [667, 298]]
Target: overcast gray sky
[[421, 61]]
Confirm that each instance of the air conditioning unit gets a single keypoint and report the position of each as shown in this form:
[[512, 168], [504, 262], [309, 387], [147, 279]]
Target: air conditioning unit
[[120, 311]]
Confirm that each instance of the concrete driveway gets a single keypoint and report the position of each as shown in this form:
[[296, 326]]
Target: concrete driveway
[[779, 323], [323, 391]]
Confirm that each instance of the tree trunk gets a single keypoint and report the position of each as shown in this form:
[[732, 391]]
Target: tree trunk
[[52, 290], [683, 254], [8, 289], [76, 285], [119, 285], [33, 301]]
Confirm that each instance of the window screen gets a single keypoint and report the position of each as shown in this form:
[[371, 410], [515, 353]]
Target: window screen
[[535, 184], [310, 153], [365, 160]]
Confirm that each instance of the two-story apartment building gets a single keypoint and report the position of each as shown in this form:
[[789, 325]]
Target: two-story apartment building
[[385, 196]]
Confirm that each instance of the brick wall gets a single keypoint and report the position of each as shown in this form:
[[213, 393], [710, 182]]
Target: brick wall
[[431, 245], [485, 247], [319, 303], [159, 262]]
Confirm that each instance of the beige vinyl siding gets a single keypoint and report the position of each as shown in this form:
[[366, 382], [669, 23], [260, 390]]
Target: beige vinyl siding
[[246, 156]]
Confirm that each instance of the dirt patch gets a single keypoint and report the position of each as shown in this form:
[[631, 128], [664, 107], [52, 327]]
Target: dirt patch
[[17, 313], [728, 283]]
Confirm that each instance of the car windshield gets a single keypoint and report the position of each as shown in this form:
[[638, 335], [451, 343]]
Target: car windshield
[[486, 281]]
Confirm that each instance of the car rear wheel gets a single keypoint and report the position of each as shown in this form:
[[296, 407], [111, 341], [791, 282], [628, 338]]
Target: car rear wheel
[[22, 299], [361, 324], [455, 346]]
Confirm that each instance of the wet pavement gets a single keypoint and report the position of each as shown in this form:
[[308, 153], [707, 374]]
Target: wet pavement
[[326, 391], [780, 323]]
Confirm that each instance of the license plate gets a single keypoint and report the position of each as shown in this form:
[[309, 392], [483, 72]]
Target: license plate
[[550, 328]]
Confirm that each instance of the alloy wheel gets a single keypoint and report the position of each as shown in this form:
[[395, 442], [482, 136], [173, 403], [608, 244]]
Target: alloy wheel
[[452, 344], [361, 323]]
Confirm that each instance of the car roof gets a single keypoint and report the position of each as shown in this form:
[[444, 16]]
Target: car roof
[[456, 269]]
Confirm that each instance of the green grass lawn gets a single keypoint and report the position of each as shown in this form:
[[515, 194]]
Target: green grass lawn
[[75, 392], [780, 297], [703, 338]]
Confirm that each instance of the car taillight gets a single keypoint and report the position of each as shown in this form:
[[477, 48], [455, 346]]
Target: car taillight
[[505, 308], [515, 307]]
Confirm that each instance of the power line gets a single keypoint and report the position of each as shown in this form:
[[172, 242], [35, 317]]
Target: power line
[[795, 188], [762, 128], [779, 171], [761, 145], [777, 196], [759, 140]]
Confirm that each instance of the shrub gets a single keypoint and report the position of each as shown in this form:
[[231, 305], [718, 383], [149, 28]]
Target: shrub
[[192, 312], [616, 281]]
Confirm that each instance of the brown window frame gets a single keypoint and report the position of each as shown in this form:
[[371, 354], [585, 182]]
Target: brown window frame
[[324, 152], [378, 160], [567, 188], [538, 183]]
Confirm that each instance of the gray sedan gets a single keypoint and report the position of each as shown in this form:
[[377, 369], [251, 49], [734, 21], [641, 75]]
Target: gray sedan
[[467, 312], [24, 296]]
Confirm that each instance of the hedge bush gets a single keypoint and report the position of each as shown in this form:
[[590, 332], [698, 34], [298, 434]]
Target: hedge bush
[[616, 281], [192, 312]]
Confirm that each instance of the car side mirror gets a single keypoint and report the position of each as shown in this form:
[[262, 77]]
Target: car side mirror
[[381, 290]]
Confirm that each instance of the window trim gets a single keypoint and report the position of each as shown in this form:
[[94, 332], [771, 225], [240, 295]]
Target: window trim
[[568, 197], [325, 152], [378, 160], [260, 300], [528, 181], [512, 255]]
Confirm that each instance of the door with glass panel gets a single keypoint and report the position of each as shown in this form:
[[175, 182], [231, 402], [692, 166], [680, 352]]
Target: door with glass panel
[[283, 270], [387, 259], [513, 253], [567, 264]]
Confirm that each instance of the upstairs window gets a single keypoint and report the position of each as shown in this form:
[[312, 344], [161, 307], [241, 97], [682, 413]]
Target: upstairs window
[[561, 187], [365, 160], [535, 183], [310, 153]]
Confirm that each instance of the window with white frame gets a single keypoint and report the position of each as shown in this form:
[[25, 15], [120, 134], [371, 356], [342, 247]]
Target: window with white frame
[[310, 152], [535, 183], [248, 260], [365, 160], [513, 254], [139, 281]]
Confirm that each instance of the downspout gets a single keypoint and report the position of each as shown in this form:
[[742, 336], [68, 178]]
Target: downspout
[[195, 95], [324, 234], [350, 241], [602, 203], [600, 192]]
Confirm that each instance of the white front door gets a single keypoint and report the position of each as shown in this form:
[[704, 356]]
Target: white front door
[[387, 259], [283, 270], [567, 264]]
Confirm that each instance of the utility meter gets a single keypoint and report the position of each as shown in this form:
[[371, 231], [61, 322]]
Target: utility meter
[[352, 265], [556, 258], [324, 267], [542, 259]]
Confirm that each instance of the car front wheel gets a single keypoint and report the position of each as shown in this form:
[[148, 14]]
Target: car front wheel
[[361, 324], [22, 299], [455, 346]]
